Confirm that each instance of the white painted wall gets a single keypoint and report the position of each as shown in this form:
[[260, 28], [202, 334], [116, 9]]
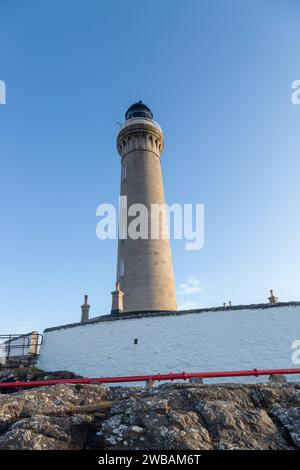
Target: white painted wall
[[209, 341]]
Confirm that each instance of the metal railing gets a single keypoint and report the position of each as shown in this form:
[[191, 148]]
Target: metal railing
[[153, 377], [8, 345], [15, 346], [139, 120]]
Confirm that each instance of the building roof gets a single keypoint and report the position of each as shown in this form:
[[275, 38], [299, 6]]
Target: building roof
[[138, 109], [139, 315]]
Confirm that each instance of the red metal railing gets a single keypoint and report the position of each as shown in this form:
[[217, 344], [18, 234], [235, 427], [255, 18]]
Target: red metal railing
[[153, 377]]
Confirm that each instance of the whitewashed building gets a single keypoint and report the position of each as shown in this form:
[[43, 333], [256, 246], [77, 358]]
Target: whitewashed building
[[217, 339]]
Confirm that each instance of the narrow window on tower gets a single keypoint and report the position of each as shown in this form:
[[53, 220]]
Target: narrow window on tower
[[122, 268], [124, 173]]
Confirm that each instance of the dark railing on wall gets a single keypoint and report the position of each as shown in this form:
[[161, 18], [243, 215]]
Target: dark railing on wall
[[16, 347]]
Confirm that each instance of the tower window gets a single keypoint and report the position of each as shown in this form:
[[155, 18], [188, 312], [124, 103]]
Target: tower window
[[124, 173], [122, 268]]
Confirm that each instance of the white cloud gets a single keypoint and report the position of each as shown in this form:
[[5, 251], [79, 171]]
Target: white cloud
[[190, 286]]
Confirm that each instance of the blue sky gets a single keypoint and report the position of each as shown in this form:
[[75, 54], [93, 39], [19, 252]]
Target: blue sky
[[217, 76]]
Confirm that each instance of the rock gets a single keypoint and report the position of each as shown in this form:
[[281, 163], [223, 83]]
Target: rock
[[290, 419], [26, 374], [172, 416], [10, 410], [231, 427], [42, 432], [272, 396], [7, 376], [60, 399]]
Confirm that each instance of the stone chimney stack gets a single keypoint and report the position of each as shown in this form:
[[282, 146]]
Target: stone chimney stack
[[117, 300], [144, 267], [272, 299], [85, 310], [34, 343]]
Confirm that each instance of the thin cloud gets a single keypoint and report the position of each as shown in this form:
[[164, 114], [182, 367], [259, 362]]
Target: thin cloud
[[190, 286]]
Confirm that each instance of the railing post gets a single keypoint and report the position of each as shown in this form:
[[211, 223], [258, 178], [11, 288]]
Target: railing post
[[150, 383], [277, 378], [8, 348], [196, 380]]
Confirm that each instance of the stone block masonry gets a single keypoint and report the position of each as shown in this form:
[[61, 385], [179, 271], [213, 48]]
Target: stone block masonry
[[144, 266]]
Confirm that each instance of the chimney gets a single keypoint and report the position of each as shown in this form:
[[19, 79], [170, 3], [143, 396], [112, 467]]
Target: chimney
[[85, 310], [117, 300], [272, 299]]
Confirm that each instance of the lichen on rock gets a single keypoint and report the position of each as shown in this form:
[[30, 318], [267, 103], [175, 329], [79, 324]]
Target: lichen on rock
[[170, 416]]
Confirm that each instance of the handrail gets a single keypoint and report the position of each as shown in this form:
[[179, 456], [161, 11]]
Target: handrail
[[152, 377], [23, 344], [139, 120]]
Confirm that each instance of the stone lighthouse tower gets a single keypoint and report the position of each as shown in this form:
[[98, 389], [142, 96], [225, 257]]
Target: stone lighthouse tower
[[145, 279]]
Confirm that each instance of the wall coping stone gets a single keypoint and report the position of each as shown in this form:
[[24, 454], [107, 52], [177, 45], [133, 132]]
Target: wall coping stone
[[146, 314]]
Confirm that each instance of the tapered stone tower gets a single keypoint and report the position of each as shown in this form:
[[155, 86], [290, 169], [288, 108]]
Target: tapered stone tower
[[144, 271]]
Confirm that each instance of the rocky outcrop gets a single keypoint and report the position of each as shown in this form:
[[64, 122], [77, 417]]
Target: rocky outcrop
[[32, 373], [170, 416]]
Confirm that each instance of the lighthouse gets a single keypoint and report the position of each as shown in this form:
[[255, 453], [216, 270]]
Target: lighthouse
[[144, 264]]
